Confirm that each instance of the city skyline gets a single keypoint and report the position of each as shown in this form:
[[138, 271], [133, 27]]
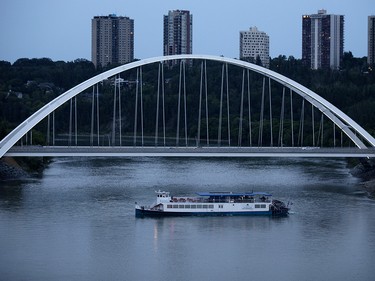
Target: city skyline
[[323, 40], [255, 43], [371, 40], [112, 40], [177, 36], [62, 31]]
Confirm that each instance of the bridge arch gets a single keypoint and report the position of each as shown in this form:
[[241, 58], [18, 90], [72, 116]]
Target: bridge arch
[[340, 119]]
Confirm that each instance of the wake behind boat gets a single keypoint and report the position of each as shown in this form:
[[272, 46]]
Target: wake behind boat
[[213, 204]]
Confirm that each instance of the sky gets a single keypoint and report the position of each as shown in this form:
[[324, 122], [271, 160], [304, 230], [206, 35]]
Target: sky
[[61, 30]]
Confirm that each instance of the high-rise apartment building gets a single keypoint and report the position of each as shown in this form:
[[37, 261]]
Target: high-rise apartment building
[[178, 33], [112, 40], [371, 40], [322, 40], [255, 44]]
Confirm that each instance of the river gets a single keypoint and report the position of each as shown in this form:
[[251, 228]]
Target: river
[[77, 222]]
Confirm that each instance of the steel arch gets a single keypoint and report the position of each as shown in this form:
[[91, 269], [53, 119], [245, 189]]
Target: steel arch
[[343, 121]]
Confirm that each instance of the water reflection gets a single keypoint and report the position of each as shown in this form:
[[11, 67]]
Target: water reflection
[[11, 193]]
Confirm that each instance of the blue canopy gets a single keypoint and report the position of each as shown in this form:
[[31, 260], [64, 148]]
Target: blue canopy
[[233, 194]]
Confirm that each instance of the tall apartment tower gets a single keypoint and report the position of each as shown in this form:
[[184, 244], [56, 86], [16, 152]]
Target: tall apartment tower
[[112, 40], [254, 44], [178, 33], [371, 40], [322, 40]]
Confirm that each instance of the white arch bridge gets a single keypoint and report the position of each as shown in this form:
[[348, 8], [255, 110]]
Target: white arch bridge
[[189, 105]]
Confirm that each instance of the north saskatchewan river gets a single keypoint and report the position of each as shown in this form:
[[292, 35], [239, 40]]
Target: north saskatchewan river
[[77, 222]]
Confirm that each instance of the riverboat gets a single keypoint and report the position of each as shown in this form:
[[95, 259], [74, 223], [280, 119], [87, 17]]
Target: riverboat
[[213, 204]]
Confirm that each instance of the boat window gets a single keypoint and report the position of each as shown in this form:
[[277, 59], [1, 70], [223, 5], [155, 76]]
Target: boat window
[[205, 206], [211, 206], [220, 206], [263, 206], [175, 206], [169, 206], [257, 206], [187, 206], [181, 206], [193, 206], [199, 206]]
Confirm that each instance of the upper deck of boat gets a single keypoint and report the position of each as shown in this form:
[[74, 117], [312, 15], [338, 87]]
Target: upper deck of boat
[[227, 197]]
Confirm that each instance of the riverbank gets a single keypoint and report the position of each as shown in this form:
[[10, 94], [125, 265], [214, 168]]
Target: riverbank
[[369, 186], [11, 169], [366, 172]]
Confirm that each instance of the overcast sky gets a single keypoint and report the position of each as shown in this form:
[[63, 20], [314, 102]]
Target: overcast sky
[[61, 29]]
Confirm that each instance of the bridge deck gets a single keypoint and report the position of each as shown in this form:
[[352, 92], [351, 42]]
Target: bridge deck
[[50, 151]]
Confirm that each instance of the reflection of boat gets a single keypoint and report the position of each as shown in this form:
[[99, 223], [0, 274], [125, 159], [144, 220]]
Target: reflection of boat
[[213, 203]]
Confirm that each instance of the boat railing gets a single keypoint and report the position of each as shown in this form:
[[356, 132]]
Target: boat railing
[[239, 200], [188, 199], [255, 200], [219, 200]]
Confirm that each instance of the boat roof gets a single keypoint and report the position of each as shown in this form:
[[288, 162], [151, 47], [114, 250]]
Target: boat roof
[[233, 194]]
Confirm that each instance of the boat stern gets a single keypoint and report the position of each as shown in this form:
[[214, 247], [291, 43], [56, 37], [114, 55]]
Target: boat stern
[[279, 208], [139, 211]]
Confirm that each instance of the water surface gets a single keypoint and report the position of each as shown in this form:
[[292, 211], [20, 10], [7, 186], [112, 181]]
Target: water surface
[[77, 222]]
